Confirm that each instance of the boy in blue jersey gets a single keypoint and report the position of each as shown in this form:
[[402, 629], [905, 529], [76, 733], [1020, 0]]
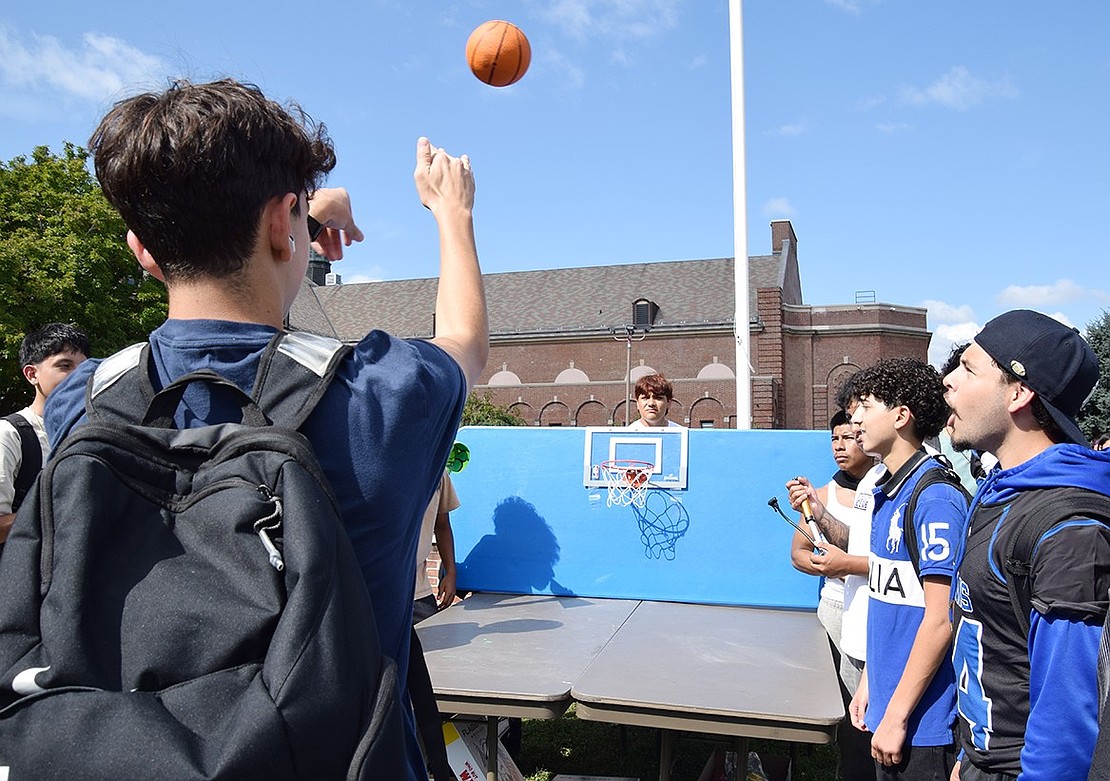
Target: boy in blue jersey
[[907, 696], [1028, 693], [218, 187]]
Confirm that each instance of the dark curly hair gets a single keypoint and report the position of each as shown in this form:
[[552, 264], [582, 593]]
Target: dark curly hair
[[846, 393], [907, 382], [191, 168]]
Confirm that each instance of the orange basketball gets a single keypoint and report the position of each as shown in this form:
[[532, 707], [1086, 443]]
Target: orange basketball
[[498, 53]]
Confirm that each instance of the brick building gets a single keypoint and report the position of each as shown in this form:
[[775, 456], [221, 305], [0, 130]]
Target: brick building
[[566, 343]]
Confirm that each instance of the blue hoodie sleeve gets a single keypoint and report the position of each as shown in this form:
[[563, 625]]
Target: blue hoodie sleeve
[[65, 406], [1063, 699]]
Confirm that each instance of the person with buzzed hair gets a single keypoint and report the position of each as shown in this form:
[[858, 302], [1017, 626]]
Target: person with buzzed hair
[[46, 357]]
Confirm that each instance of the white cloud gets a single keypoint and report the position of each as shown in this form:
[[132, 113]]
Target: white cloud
[[941, 312], [951, 324], [791, 129], [700, 61], [100, 67], [958, 89], [869, 103], [778, 207], [890, 128], [848, 6], [1062, 291], [569, 75], [639, 19], [945, 336]]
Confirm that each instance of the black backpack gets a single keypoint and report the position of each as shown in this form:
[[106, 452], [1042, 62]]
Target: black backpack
[[185, 604], [30, 461], [941, 473]]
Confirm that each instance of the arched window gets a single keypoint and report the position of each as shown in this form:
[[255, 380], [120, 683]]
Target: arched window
[[555, 413]]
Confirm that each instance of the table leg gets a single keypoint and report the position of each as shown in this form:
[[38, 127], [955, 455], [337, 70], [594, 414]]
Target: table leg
[[491, 748], [666, 754], [740, 746]]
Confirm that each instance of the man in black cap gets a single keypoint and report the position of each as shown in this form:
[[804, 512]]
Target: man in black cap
[[1031, 591]]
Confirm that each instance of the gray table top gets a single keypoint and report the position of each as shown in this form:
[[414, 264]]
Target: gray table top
[[733, 670], [498, 654]]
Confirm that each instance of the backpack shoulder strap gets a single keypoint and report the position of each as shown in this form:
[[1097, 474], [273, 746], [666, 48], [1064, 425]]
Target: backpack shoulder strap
[[30, 463], [117, 389], [293, 374], [933, 475], [1040, 512]]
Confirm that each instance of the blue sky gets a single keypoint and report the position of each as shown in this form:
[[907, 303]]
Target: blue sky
[[944, 154]]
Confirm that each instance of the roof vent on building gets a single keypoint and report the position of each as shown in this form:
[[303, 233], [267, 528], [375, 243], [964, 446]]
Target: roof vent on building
[[643, 314], [333, 279]]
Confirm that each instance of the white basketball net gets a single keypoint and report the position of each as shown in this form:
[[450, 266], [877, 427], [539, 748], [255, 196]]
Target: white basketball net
[[626, 481]]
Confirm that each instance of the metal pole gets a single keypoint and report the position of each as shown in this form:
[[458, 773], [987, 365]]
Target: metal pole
[[742, 328], [628, 376]]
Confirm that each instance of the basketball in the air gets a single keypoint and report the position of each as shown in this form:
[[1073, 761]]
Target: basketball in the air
[[498, 53]]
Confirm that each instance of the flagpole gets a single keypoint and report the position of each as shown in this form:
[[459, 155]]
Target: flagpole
[[741, 329]]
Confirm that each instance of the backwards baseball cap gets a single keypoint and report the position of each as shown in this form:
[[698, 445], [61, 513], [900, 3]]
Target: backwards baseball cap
[[1050, 358]]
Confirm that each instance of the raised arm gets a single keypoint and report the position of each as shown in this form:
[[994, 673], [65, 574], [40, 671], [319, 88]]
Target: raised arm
[[446, 186]]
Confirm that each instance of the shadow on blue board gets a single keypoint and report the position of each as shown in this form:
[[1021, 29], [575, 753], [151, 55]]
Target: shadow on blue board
[[522, 552], [527, 524]]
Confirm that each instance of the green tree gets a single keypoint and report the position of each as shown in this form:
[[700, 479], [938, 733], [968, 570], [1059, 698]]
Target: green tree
[[64, 258], [481, 411], [1094, 417]]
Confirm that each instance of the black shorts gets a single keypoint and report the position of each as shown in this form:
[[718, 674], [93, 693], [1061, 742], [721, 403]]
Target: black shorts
[[920, 763]]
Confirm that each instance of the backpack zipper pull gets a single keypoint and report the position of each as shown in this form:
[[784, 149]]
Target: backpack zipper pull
[[272, 522]]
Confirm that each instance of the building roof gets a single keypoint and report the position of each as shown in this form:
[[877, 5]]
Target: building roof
[[552, 301]]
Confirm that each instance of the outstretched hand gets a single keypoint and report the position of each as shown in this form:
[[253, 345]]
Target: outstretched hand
[[442, 181]]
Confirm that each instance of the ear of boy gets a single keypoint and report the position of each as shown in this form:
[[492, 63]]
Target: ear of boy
[[146, 260], [277, 219], [906, 442]]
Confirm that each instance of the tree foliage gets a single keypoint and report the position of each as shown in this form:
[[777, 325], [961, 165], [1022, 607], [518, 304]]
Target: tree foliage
[[1094, 417], [64, 258], [481, 411]]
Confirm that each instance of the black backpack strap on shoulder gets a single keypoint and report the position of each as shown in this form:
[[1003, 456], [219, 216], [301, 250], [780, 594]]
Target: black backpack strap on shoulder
[[933, 475], [30, 463], [291, 363], [1039, 513], [117, 389]]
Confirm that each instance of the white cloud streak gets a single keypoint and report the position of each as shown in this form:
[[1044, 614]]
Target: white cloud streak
[[623, 19], [791, 129], [848, 6], [778, 207], [100, 67], [958, 89], [1062, 291]]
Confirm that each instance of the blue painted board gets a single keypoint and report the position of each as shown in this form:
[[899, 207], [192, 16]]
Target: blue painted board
[[528, 525]]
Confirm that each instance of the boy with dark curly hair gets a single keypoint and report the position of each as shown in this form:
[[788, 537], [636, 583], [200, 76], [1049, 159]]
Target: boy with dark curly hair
[[907, 697]]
